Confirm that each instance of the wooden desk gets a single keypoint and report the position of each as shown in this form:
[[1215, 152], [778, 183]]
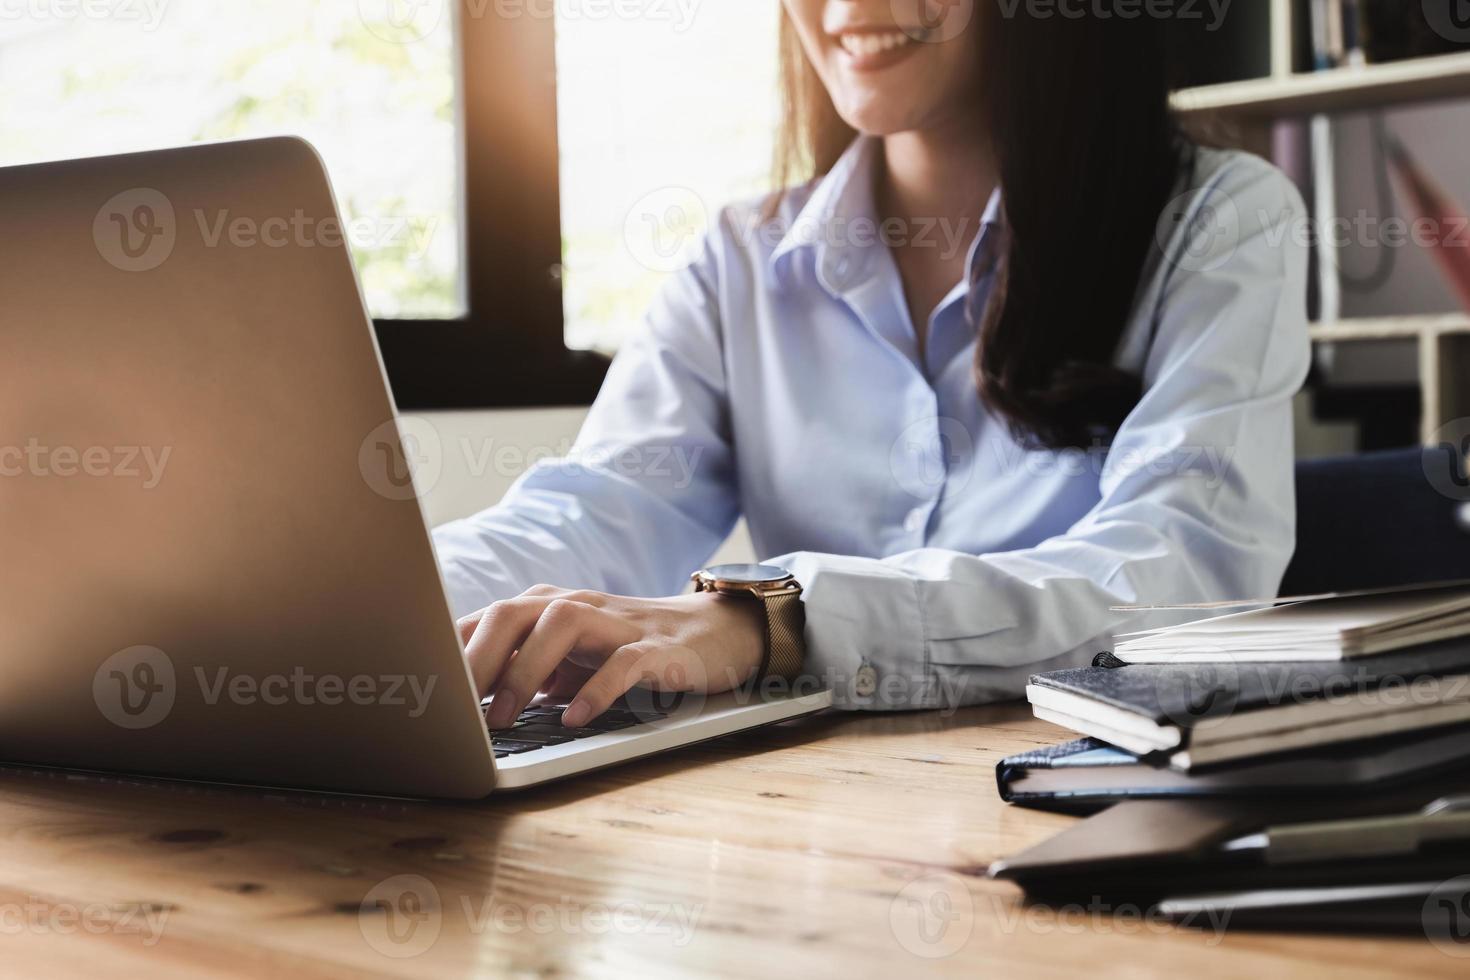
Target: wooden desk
[[786, 852]]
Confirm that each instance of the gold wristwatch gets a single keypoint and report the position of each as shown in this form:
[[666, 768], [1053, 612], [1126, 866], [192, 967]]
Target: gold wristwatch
[[780, 595]]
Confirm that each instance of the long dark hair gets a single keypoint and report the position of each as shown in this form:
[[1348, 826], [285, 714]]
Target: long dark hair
[[1088, 154]]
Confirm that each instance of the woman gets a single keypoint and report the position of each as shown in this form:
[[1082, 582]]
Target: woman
[[966, 455]]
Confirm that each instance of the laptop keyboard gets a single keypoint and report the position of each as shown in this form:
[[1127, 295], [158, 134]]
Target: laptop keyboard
[[540, 725]]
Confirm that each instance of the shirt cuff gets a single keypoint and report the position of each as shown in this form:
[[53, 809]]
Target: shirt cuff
[[865, 634]]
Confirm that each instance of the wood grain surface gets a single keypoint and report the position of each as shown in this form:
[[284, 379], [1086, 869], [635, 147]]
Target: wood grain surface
[[841, 845]]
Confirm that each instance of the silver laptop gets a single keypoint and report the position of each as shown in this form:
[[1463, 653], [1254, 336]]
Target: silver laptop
[[209, 568]]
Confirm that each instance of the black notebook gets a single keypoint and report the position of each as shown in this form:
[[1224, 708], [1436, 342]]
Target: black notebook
[[1208, 714], [1086, 775]]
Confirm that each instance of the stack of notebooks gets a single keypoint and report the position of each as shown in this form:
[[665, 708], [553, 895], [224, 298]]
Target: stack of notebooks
[[1308, 709]]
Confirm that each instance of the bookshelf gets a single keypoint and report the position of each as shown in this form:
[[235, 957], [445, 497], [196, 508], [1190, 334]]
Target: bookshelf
[[1443, 343], [1250, 110], [1445, 76]]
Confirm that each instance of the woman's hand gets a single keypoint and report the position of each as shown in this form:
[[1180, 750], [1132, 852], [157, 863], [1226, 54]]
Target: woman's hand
[[599, 646]]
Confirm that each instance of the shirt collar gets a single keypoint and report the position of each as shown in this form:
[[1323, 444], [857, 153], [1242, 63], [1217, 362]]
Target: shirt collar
[[839, 225], [844, 192]]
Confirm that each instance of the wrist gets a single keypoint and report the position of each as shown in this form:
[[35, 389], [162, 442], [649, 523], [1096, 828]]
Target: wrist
[[772, 596]]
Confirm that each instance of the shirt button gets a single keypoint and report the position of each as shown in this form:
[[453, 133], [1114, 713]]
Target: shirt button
[[866, 682], [914, 523]]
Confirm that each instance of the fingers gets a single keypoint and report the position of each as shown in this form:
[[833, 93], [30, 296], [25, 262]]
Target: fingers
[[564, 625], [501, 628], [491, 635], [566, 680], [629, 665]]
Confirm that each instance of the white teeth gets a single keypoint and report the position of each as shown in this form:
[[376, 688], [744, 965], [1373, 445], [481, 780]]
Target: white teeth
[[868, 43]]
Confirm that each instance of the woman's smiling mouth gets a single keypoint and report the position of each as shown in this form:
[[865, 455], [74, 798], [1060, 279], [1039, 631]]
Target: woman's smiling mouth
[[872, 49]]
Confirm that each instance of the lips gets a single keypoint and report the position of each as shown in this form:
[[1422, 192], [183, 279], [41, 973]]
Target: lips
[[873, 42], [868, 49]]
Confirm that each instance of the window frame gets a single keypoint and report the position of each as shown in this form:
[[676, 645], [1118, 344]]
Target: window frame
[[508, 349]]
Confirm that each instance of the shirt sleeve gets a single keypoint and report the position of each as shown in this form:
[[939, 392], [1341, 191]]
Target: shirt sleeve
[[647, 492], [1197, 492]]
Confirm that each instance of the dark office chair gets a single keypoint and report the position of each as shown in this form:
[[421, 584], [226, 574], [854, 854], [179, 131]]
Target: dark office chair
[[1377, 520]]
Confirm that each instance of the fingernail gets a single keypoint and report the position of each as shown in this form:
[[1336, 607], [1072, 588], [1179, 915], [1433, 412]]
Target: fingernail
[[577, 714], [502, 711]]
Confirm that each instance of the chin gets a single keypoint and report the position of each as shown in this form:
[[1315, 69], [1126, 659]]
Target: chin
[[872, 119]]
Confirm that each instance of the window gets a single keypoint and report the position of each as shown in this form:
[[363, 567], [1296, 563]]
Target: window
[[508, 234], [665, 117], [118, 75]]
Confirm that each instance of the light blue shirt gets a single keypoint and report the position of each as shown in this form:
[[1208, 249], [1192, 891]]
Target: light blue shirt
[[778, 378]]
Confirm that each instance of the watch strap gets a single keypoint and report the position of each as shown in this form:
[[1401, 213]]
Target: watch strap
[[785, 636]]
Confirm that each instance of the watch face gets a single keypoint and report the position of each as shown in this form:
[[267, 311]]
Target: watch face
[[746, 574]]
